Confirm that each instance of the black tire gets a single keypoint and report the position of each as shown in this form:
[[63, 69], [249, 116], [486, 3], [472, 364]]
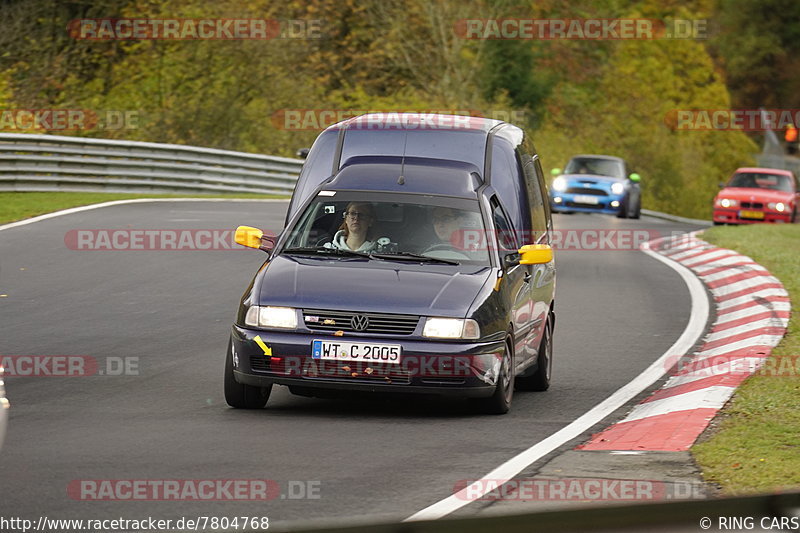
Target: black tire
[[239, 395], [719, 223], [794, 216], [638, 212], [540, 379], [500, 402], [623, 209]]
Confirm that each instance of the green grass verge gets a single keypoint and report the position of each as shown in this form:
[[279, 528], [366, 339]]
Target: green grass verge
[[756, 445], [20, 205]]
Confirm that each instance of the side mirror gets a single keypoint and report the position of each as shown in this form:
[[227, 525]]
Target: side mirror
[[636, 178], [555, 172], [254, 238], [302, 153], [535, 254]]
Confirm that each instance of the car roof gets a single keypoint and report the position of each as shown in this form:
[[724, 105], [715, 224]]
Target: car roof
[[595, 156], [762, 170], [419, 176], [454, 138]]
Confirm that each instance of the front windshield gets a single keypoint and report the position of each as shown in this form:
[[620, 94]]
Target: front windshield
[[757, 180], [392, 226], [597, 167]]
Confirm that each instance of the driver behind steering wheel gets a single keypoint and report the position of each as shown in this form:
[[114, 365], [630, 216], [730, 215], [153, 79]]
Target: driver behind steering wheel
[[450, 225]]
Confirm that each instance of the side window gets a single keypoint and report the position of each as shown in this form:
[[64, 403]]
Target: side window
[[541, 193], [508, 182], [506, 236], [539, 204]]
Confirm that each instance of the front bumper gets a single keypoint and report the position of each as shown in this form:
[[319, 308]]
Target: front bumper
[[426, 367], [568, 203], [731, 216]]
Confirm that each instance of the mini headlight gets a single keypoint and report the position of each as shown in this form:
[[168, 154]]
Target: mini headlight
[[560, 184], [618, 188], [451, 328], [271, 317]]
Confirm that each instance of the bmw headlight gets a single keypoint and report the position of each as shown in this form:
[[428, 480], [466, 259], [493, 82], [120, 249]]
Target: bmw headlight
[[618, 188], [560, 184], [451, 328], [271, 317], [727, 202], [780, 207]]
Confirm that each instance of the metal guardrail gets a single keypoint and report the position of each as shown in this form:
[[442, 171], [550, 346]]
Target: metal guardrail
[[57, 163], [784, 162]]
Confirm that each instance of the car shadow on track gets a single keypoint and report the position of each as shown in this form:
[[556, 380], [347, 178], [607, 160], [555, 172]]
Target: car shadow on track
[[350, 404]]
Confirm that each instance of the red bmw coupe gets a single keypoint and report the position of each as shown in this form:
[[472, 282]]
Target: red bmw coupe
[[758, 195]]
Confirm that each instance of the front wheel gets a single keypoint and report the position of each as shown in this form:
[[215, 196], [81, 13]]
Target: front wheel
[[540, 380], [500, 402], [637, 213], [623, 209], [240, 395]]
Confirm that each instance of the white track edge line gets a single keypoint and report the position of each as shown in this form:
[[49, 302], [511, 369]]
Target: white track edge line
[[89, 207]]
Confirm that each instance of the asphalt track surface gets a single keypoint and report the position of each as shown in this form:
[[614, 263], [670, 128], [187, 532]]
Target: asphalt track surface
[[170, 312]]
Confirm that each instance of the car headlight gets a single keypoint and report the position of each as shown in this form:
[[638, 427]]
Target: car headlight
[[618, 188], [780, 207], [271, 317], [451, 328], [727, 202], [560, 184]]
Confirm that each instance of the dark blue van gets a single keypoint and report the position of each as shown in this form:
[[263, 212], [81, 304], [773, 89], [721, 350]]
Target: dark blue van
[[415, 259]]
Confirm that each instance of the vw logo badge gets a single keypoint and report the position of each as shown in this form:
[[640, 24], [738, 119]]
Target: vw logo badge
[[359, 322]]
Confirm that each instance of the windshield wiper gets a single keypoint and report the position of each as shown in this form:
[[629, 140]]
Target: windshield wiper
[[410, 256], [325, 251]]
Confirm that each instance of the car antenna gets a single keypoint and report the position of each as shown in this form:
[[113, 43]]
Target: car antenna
[[402, 180]]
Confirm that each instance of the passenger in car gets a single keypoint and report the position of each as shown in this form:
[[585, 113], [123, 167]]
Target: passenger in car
[[356, 230]]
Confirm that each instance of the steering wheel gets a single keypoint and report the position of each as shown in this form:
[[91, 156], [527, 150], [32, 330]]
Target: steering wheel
[[323, 240], [446, 247]]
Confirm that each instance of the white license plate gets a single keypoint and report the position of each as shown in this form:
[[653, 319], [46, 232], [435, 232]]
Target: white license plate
[[585, 199], [355, 351]]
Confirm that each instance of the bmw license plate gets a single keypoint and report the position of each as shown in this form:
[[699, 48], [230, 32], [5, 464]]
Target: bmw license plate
[[585, 199], [759, 215], [355, 351]]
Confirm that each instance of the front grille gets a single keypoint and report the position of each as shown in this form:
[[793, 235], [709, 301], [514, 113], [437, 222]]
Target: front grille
[[260, 363], [753, 205], [380, 324], [586, 190], [590, 206]]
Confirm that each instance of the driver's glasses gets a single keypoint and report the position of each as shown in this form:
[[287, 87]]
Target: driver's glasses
[[355, 215]]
